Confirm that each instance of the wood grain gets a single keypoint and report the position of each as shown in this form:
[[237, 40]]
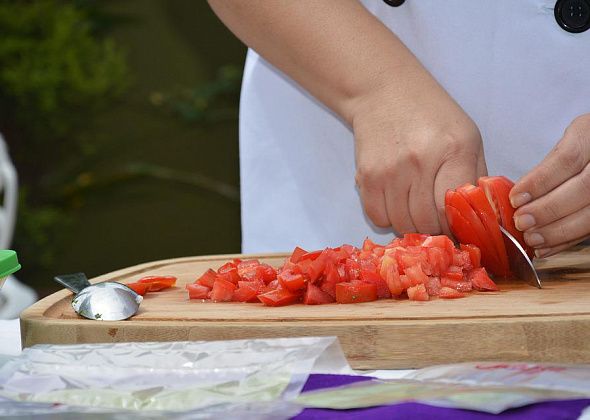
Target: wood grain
[[517, 323]]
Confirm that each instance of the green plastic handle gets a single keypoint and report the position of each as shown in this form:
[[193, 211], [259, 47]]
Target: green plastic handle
[[8, 262]]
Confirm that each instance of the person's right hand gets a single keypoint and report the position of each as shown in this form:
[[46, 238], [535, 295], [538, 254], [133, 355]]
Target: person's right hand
[[412, 145]]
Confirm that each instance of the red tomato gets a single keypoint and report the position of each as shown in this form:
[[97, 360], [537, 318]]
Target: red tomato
[[332, 277], [247, 266], [266, 273], [433, 286], [474, 254], [481, 281], [222, 291], [196, 291], [448, 293], [292, 281], [310, 255], [416, 275], [297, 254], [461, 286], [158, 283], [279, 297], [316, 296], [438, 261], [497, 190], [373, 277], [414, 239], [247, 292], [139, 288], [355, 292], [454, 273], [207, 279], [418, 292]]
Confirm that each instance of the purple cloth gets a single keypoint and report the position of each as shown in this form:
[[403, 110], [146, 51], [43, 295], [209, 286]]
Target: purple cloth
[[557, 410]]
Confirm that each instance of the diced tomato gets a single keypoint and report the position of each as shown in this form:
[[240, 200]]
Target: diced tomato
[[316, 296], [474, 254], [414, 239], [332, 277], [231, 276], [433, 286], [418, 292], [368, 245], [448, 293], [310, 255], [197, 291], [292, 281], [373, 277], [353, 269], [222, 291], [139, 288], [297, 254], [273, 285], [461, 286], [266, 273], [207, 279], [246, 266], [405, 281], [393, 280], [438, 261], [158, 283], [355, 292], [481, 281], [230, 266], [416, 275], [247, 292], [279, 297], [454, 272], [440, 241]]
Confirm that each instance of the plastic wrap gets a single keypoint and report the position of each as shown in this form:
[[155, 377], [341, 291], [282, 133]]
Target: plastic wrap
[[169, 377], [487, 387]]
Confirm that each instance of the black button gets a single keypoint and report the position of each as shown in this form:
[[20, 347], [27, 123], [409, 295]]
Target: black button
[[394, 3], [573, 15]]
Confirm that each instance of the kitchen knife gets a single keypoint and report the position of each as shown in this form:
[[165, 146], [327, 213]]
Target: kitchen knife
[[520, 263]]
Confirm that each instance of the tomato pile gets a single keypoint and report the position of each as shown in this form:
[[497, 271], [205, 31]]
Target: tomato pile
[[417, 266], [475, 214], [152, 284]]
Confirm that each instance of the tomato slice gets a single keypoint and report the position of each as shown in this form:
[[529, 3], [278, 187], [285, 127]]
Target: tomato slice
[[497, 190], [158, 283], [355, 292], [479, 202], [197, 291], [279, 297], [139, 288], [316, 296], [469, 229]]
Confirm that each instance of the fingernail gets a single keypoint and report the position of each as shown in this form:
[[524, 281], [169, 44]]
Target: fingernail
[[540, 253], [533, 239], [524, 222], [520, 199]]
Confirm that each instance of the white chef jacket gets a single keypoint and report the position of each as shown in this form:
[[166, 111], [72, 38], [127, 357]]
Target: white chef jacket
[[513, 69]]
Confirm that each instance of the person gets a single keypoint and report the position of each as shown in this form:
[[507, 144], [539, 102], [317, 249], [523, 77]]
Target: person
[[357, 116]]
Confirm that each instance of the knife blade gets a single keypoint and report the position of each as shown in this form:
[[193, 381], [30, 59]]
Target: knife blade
[[520, 263]]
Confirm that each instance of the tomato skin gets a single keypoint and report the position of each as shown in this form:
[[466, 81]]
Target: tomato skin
[[158, 283], [197, 291], [418, 292], [207, 279], [139, 288], [278, 297], [222, 291], [481, 281], [355, 292], [316, 296]]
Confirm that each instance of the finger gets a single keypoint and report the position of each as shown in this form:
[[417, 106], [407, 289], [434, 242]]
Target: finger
[[450, 175], [547, 252], [422, 206], [373, 201], [565, 230], [566, 159], [397, 204], [568, 198], [482, 168]]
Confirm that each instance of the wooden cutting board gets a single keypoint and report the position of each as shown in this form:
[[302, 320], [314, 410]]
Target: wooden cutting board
[[518, 323]]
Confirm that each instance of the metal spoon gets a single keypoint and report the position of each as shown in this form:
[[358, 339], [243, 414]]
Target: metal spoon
[[520, 263], [107, 301]]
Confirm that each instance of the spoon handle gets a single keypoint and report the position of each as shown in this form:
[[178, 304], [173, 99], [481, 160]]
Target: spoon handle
[[74, 282]]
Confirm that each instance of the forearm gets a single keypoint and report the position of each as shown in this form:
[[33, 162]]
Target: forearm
[[335, 49]]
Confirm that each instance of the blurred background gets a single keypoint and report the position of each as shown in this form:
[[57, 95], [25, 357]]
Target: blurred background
[[120, 117]]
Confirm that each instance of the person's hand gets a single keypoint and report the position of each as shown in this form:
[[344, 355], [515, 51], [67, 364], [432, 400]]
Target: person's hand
[[412, 145], [553, 200]]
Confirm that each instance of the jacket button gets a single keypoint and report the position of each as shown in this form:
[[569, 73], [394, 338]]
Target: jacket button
[[394, 3], [573, 15]]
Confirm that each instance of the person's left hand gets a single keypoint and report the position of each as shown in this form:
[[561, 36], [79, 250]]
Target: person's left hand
[[553, 200]]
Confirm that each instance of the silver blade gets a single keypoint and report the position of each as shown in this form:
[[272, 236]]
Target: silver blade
[[521, 264]]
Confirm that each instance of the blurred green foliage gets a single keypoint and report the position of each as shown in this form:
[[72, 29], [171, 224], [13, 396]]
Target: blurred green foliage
[[56, 69]]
